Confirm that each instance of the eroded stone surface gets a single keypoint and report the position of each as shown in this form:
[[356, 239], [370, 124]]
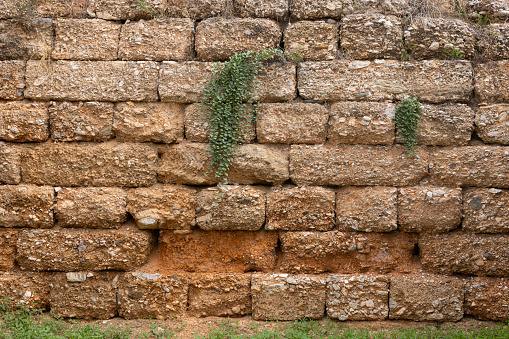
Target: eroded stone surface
[[12, 79], [274, 9], [63, 8], [487, 298], [492, 9], [198, 9], [492, 82], [24, 121], [10, 164], [313, 9], [31, 289], [25, 39], [8, 238], [495, 42], [492, 123], [312, 40], [125, 9], [486, 210], [26, 206]]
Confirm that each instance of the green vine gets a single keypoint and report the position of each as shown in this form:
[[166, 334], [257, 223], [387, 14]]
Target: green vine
[[406, 119]]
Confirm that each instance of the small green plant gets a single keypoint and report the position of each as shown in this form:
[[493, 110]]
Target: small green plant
[[482, 19], [407, 52], [406, 119], [453, 53], [143, 7]]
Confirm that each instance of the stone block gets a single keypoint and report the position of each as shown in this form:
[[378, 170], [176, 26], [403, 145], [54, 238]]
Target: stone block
[[218, 251], [487, 298], [277, 82], [315, 9], [429, 209], [273, 9], [31, 289], [10, 164], [346, 165], [63, 8], [288, 297], [26, 206], [494, 44], [12, 79], [370, 123], [149, 121], [25, 39], [163, 207], [91, 207], [300, 209], [482, 166], [158, 39], [357, 297], [492, 123], [486, 210], [312, 40], [24, 121], [8, 238], [106, 164], [291, 123], [126, 9], [92, 80], [495, 10], [492, 82], [367, 209], [198, 9]]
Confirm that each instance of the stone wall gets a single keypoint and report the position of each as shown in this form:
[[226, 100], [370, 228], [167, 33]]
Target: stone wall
[[107, 207]]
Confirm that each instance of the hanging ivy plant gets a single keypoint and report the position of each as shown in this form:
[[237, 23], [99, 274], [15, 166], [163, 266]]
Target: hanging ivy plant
[[407, 116]]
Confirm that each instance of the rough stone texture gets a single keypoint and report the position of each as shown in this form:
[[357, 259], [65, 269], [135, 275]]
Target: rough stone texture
[[31, 290], [274, 9], [277, 82], [8, 238], [345, 252], [233, 208], [434, 81], [158, 39], [218, 251], [10, 164], [426, 298], [384, 31], [81, 121], [154, 121], [481, 166], [492, 123], [357, 165], [486, 210], [313, 40], [91, 207], [300, 209], [367, 209], [25, 39], [23, 121], [288, 297], [429, 209], [494, 44], [126, 9], [83, 250], [369, 123], [85, 39], [493, 9], [220, 38], [220, 295], [198, 9], [26, 206], [487, 298], [63, 8], [84, 295], [315, 9], [92, 80], [492, 82], [106, 164], [357, 297], [12, 79], [163, 207], [152, 296], [465, 253]]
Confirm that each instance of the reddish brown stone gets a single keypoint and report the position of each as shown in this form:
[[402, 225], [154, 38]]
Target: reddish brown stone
[[25, 39], [12, 79], [274, 9], [487, 298], [486, 210], [26, 206], [197, 9], [8, 238], [29, 289], [492, 123], [314, 9], [10, 164], [126, 9], [312, 40], [23, 121], [492, 82]]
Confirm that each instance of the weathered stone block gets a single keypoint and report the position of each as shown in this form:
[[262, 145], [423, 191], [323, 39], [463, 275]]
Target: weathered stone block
[[278, 82], [158, 39], [24, 121], [293, 123], [486, 210], [429, 209], [273, 9], [426, 298], [346, 165], [358, 297], [107, 164], [495, 42], [218, 251], [300, 209], [92, 80], [288, 297], [491, 9], [492, 123], [8, 238], [315, 9], [25, 39], [198, 9], [31, 289], [492, 82], [26, 206], [154, 121], [487, 298], [312, 40], [126, 9], [367, 209], [164, 207], [10, 164], [12, 79], [63, 8], [91, 207]]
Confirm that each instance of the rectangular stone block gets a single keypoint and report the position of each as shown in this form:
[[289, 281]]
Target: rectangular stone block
[[84, 295], [481, 166], [312, 40], [92, 80], [429, 209], [487, 298], [10, 164], [465, 253], [85, 39], [219, 295], [369, 123], [492, 82], [486, 210], [295, 123], [158, 39], [24, 39], [273, 9], [434, 81], [492, 123], [300, 209], [288, 297], [106, 164], [346, 165], [63, 8], [144, 121], [91, 207], [163, 207], [277, 82], [357, 297], [83, 250], [126, 9], [8, 238], [24, 121], [26, 206], [315, 9], [29, 289], [367, 209], [346, 252], [152, 295], [218, 251], [12, 79], [198, 9], [495, 42], [426, 298]]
